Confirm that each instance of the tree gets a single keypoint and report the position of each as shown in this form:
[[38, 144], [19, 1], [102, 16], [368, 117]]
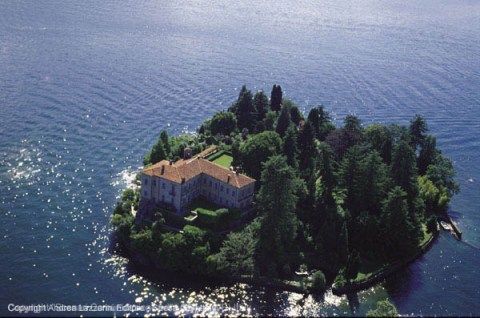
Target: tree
[[276, 98], [290, 149], [283, 121], [326, 166], [384, 309], [165, 141], [427, 154], [260, 103], [418, 128], [349, 135], [331, 241], [350, 179], [223, 123], [326, 125], [380, 139], [157, 153], [270, 120], [186, 251], [306, 145], [275, 252], [295, 115], [352, 124], [374, 182], [436, 199], [314, 119], [257, 150], [236, 253], [245, 111], [404, 171], [318, 282], [442, 174], [401, 234]]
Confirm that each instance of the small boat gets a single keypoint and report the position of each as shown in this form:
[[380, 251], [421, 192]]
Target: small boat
[[445, 226], [452, 228]]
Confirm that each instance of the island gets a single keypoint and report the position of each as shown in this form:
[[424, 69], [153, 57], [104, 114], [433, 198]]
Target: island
[[262, 195]]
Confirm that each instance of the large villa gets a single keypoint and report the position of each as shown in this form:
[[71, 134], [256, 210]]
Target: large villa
[[179, 183]]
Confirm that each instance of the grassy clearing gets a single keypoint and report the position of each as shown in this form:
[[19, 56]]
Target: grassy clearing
[[224, 160]]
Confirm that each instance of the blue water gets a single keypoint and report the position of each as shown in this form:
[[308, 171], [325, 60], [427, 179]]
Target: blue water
[[85, 87]]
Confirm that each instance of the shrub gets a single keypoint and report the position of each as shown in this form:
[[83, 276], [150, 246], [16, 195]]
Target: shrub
[[142, 241], [120, 210], [340, 280], [384, 309], [218, 219], [318, 281], [122, 225]]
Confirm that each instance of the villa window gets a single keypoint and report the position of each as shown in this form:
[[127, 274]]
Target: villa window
[[146, 181], [221, 188], [145, 193], [228, 191], [154, 183]]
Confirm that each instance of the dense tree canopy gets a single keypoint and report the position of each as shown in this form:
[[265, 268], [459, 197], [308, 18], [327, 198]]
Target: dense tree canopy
[[256, 150], [223, 123], [334, 200]]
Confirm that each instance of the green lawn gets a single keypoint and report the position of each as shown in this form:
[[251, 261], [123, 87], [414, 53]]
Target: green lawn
[[224, 160]]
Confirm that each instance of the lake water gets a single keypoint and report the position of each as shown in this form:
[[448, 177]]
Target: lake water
[[85, 87]]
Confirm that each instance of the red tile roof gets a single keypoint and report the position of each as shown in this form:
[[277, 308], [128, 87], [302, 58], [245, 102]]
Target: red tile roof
[[188, 169]]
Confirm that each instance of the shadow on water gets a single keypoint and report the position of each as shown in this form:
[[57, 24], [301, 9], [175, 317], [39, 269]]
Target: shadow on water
[[353, 302]]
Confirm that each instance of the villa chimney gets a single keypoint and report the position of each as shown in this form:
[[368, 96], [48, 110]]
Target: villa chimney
[[183, 180], [228, 179], [170, 162], [163, 169]]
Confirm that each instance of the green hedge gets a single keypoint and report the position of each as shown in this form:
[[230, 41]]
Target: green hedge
[[216, 220]]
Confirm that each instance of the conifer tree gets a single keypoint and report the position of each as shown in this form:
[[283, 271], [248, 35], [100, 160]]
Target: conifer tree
[[404, 170], [260, 103], [418, 128], [290, 149], [245, 110], [276, 98], [157, 154], [314, 119], [274, 254], [283, 121], [306, 145], [295, 115], [165, 141], [427, 154], [402, 234]]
